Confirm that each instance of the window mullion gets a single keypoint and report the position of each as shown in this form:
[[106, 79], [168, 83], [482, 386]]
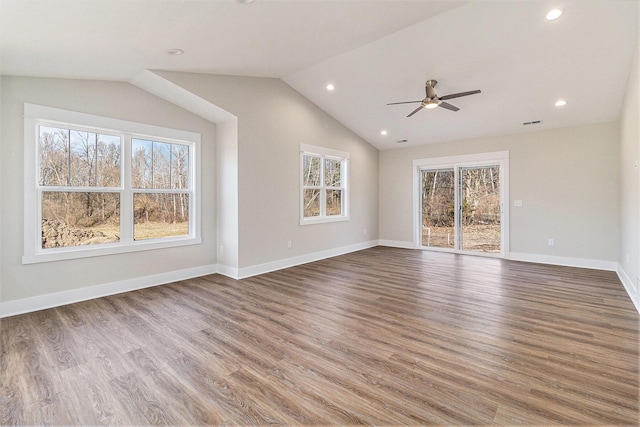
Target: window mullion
[[126, 193], [323, 191]]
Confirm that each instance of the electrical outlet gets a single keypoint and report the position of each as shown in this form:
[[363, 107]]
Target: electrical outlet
[[289, 244], [221, 249], [517, 203], [551, 242], [365, 231]]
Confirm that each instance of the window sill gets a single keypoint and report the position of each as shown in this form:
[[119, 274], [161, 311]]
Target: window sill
[[78, 252], [309, 221]]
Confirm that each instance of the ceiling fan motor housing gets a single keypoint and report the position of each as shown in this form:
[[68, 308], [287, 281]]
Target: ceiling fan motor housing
[[431, 93]]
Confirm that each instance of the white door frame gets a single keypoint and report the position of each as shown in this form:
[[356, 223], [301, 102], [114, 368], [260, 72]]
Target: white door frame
[[500, 158]]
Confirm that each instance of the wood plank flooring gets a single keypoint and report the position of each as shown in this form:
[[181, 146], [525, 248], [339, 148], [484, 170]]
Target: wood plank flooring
[[381, 336]]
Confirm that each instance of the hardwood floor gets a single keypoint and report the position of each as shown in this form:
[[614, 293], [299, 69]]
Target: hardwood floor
[[381, 336]]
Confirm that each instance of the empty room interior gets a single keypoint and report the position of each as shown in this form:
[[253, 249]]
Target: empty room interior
[[300, 212]]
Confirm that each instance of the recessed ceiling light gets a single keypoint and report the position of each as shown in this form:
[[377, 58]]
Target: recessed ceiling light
[[383, 132], [560, 103], [554, 14], [174, 52], [330, 87]]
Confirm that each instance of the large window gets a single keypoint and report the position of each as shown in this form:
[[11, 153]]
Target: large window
[[97, 186], [323, 187]]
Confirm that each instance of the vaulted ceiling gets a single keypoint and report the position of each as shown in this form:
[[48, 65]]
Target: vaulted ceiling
[[373, 52]]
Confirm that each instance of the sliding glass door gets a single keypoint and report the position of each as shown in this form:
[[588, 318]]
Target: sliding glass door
[[460, 204]]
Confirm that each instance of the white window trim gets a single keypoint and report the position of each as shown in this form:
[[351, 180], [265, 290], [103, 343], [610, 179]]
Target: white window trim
[[33, 251], [329, 153]]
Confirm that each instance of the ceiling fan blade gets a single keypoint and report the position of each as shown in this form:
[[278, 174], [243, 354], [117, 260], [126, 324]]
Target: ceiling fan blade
[[448, 106], [458, 95], [416, 110], [405, 102]]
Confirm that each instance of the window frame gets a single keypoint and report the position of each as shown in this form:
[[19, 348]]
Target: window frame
[[37, 115], [324, 154]]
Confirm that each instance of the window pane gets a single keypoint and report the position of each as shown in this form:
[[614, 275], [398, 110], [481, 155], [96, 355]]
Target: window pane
[[82, 160], [53, 156], [161, 165], [74, 219], [141, 154], [480, 198], [108, 150], [332, 172], [311, 202], [179, 166], [311, 171], [438, 211], [334, 202], [160, 215]]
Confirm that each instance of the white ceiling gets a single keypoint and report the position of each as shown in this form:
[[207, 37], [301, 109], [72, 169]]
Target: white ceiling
[[374, 52]]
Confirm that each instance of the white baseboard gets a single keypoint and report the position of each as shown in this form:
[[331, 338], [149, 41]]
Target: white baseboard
[[254, 270], [594, 264], [41, 302], [397, 244], [629, 286], [225, 270]]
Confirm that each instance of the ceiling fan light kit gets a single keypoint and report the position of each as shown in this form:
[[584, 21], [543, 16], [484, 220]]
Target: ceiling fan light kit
[[554, 14], [432, 100]]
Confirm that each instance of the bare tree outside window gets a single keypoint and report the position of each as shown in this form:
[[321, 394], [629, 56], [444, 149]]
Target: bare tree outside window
[[81, 173], [157, 215], [311, 183], [54, 156], [160, 166], [479, 208], [333, 184], [71, 159], [323, 186]]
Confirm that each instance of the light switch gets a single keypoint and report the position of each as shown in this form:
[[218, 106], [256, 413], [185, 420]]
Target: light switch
[[517, 203]]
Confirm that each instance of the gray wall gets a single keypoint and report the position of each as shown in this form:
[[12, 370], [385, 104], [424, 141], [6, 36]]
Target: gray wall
[[273, 120], [567, 179], [630, 184], [257, 178], [109, 99]]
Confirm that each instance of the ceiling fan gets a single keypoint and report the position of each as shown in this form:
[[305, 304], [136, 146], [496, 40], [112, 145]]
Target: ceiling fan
[[433, 100]]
